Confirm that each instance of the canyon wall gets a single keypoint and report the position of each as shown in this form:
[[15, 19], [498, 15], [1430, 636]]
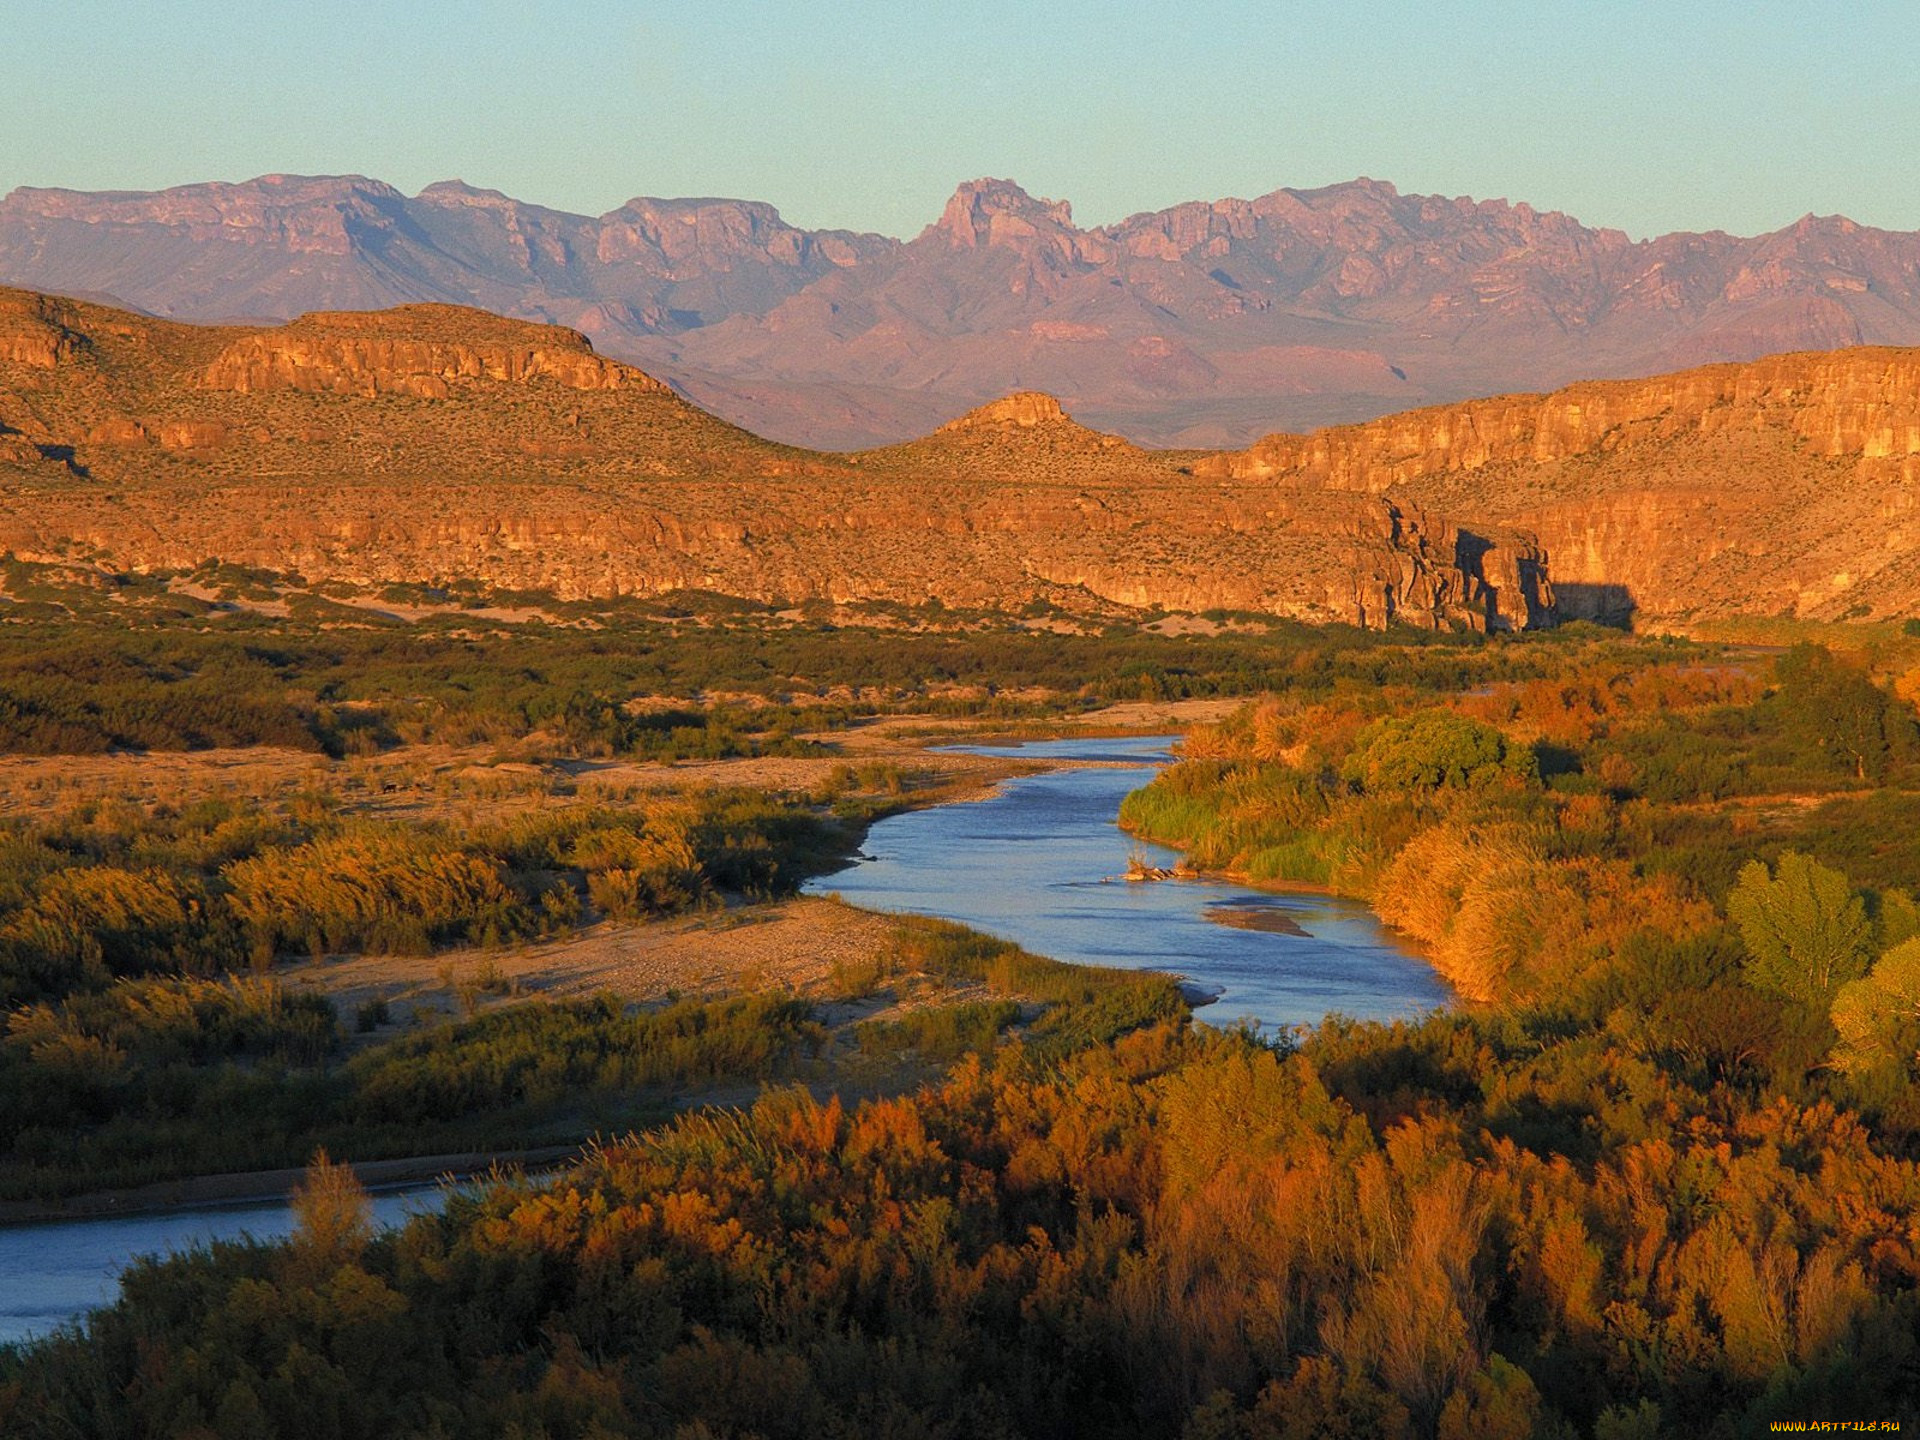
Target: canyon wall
[[430, 442]]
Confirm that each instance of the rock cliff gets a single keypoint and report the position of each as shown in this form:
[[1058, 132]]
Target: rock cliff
[[429, 442], [31, 333], [1787, 485], [419, 350], [1862, 403], [432, 442]]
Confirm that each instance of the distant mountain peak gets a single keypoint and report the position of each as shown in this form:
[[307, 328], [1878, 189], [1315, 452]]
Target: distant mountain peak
[[1202, 323], [689, 207], [460, 191], [978, 206]]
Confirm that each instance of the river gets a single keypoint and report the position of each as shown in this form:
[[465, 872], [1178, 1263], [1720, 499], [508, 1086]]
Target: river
[[1038, 864], [54, 1272]]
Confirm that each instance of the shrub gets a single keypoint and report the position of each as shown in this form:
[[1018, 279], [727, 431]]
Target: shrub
[[381, 891], [1435, 750], [1805, 929]]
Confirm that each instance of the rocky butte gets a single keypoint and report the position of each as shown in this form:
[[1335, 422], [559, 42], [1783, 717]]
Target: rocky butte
[[1204, 324], [431, 441]]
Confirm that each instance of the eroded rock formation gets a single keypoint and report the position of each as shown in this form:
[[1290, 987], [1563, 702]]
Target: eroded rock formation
[[419, 350], [1416, 569], [31, 333], [432, 442], [1861, 403]]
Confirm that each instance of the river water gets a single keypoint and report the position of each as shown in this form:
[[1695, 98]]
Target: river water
[[1039, 864], [55, 1272]]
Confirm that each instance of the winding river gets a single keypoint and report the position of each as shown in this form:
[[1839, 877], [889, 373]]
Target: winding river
[[1038, 863]]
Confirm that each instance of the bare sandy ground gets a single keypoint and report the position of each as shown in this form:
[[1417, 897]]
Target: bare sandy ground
[[792, 945]]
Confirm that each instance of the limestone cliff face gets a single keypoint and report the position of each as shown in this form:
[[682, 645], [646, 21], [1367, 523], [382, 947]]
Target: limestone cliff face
[[1787, 486], [1790, 485], [430, 442], [412, 351], [31, 333], [1863, 403], [514, 453], [1356, 560], [1419, 569]]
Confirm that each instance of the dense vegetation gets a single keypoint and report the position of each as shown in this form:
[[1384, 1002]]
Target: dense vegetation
[[1472, 1227], [106, 893], [155, 1079], [1658, 1176], [147, 1037]]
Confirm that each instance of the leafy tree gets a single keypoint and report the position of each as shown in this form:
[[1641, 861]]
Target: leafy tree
[[1805, 929], [1435, 750], [333, 1213], [1878, 1017], [1898, 919], [1834, 709]]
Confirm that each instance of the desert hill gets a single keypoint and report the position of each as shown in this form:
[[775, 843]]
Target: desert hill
[[430, 442], [1203, 324]]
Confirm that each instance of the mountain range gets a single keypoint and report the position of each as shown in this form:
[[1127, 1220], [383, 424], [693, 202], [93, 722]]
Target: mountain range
[[1206, 324]]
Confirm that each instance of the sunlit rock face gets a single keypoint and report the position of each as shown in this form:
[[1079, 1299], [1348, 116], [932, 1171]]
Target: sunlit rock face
[[431, 441]]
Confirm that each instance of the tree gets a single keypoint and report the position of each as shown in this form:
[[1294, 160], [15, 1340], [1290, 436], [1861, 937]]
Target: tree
[[1834, 709], [1805, 929], [1435, 750], [333, 1214], [1878, 1018]]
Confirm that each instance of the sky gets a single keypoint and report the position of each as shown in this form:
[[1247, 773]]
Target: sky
[[1739, 115]]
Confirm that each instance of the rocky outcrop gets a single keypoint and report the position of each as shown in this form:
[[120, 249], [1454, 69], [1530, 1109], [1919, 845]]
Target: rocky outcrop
[[32, 334], [989, 213], [1790, 485], [412, 351], [1412, 568], [1024, 410]]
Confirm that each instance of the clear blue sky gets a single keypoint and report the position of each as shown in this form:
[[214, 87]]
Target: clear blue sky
[[1688, 114]]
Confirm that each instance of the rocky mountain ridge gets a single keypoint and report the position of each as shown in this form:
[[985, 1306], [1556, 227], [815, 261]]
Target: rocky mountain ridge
[[429, 443], [1207, 323]]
